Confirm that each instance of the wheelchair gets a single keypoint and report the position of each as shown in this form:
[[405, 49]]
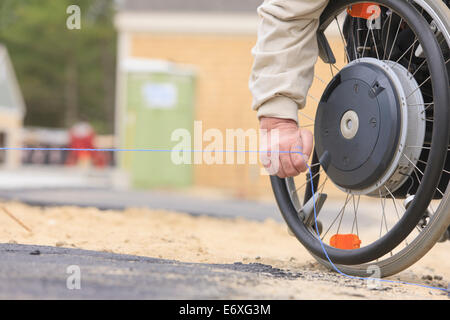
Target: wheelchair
[[377, 192]]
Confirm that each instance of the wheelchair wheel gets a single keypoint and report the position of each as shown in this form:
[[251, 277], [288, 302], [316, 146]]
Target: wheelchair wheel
[[382, 138]]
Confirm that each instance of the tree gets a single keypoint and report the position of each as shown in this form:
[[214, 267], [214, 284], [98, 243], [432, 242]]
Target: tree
[[65, 75]]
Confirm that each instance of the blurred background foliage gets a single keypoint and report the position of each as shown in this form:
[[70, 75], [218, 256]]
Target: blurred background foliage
[[65, 75]]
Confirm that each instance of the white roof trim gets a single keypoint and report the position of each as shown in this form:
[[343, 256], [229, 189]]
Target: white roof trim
[[187, 22], [201, 23], [17, 94], [141, 65]]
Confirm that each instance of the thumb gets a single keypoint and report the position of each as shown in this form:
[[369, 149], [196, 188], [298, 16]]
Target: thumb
[[306, 138]]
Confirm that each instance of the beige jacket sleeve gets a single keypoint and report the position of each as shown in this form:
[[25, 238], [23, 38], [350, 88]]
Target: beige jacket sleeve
[[284, 56]]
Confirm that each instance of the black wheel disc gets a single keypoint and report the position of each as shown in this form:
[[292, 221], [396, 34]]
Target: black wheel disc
[[358, 125]]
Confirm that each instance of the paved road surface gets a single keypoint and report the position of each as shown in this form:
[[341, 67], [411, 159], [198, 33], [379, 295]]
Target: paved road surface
[[41, 272]]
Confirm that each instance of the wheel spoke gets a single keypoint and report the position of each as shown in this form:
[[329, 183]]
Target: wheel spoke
[[424, 162], [395, 39], [404, 54], [320, 79], [306, 116], [314, 165], [331, 71], [375, 43], [395, 206], [422, 147], [428, 107], [440, 192], [343, 40], [425, 81], [388, 34], [336, 68], [411, 56], [418, 68], [420, 86], [323, 185], [383, 205], [343, 212], [420, 104], [308, 181], [314, 98], [393, 199], [412, 163], [355, 219], [420, 180], [365, 44], [335, 219]]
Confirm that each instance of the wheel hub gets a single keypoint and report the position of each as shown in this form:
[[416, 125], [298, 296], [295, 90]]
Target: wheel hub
[[349, 124], [362, 126]]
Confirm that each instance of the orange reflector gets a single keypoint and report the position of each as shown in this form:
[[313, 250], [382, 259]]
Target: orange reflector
[[366, 10], [345, 241]]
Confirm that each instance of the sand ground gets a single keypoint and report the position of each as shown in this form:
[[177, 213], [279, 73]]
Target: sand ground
[[185, 238]]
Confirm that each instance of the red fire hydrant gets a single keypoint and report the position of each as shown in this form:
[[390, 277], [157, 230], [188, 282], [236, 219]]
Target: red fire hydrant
[[81, 139]]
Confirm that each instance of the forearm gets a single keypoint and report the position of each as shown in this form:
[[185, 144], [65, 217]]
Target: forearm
[[284, 56]]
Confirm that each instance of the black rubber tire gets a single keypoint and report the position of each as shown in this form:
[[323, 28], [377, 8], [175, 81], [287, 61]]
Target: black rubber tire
[[432, 173], [438, 223]]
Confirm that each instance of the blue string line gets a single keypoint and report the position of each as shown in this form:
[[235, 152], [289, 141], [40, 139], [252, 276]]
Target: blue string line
[[139, 150], [243, 151], [350, 276]]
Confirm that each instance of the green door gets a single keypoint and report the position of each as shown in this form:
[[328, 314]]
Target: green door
[[157, 104]]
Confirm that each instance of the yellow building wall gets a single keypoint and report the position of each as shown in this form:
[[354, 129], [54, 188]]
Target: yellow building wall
[[223, 100], [11, 125]]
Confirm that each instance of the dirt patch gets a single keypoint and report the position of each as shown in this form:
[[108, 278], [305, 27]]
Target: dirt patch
[[182, 237]]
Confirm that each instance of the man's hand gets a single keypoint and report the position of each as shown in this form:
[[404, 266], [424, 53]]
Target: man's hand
[[295, 147]]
